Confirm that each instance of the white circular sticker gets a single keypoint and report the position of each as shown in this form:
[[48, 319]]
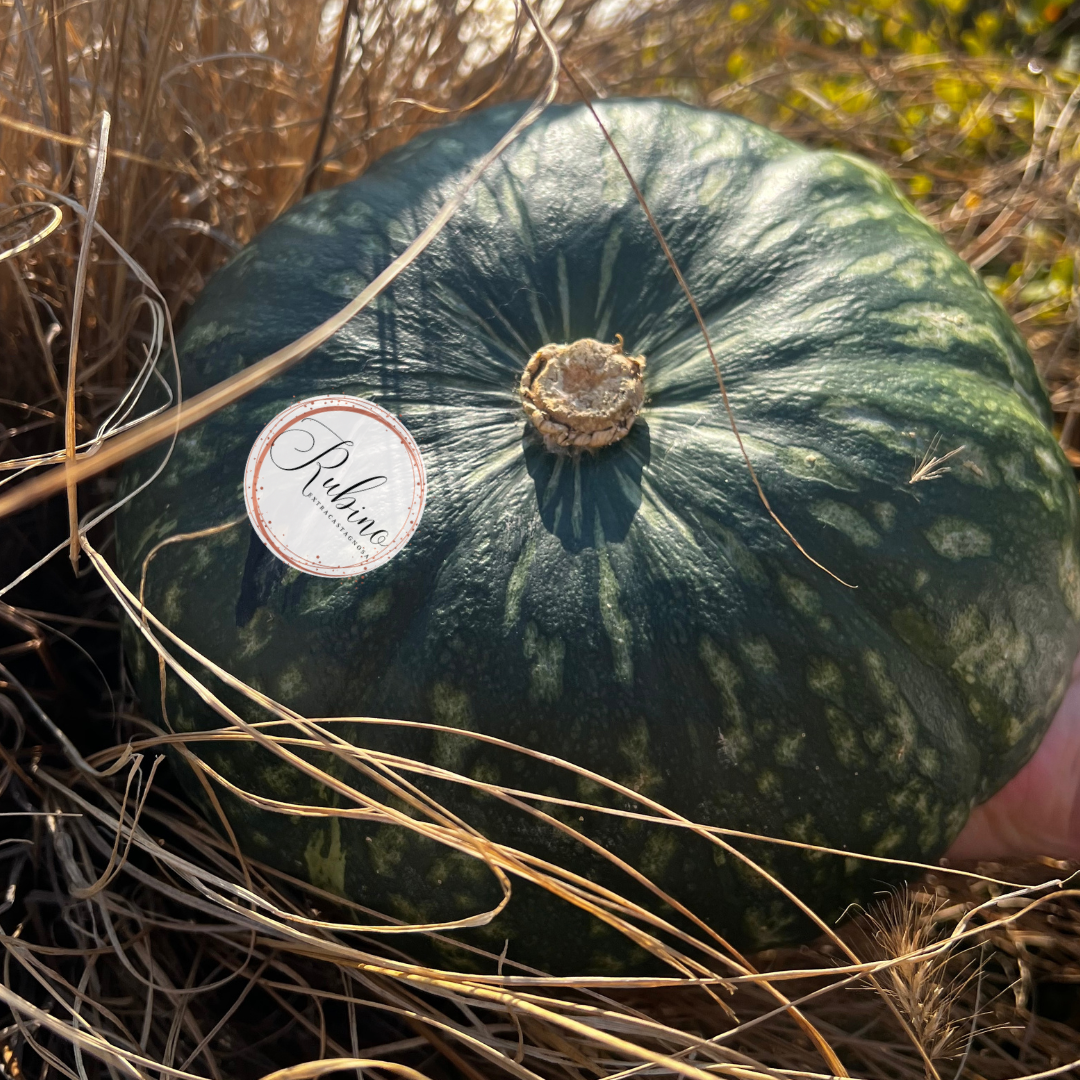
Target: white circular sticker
[[335, 486]]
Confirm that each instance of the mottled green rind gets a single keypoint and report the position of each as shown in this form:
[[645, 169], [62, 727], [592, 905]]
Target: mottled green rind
[[637, 611]]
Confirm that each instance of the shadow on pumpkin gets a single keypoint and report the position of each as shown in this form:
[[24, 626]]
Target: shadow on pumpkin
[[263, 572], [588, 498]]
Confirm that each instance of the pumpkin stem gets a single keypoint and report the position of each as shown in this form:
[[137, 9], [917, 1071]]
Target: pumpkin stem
[[583, 395]]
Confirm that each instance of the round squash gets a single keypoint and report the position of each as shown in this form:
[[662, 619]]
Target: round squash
[[626, 603]]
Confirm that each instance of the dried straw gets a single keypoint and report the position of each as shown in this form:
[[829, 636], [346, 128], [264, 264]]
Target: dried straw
[[146, 943]]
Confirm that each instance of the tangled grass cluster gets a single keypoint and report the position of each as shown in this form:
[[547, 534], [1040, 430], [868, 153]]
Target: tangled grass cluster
[[137, 941]]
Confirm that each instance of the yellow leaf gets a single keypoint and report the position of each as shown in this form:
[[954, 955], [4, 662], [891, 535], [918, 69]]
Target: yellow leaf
[[1062, 270], [923, 44], [920, 184], [952, 92], [737, 64], [973, 43], [977, 127]]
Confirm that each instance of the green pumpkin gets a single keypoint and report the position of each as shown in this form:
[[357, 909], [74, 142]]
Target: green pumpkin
[[633, 608]]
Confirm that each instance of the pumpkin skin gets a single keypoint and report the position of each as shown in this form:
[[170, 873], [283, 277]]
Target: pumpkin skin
[[635, 610]]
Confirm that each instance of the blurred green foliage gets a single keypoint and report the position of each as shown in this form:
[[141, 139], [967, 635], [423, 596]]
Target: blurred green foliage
[[1037, 30]]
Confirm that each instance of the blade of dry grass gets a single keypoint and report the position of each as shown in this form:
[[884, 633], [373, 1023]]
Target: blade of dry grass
[[76, 319]]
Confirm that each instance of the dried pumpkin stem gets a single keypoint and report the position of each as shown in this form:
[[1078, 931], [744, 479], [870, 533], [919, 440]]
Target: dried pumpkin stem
[[583, 395]]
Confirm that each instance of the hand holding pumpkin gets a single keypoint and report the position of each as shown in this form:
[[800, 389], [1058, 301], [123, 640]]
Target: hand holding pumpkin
[[1038, 811]]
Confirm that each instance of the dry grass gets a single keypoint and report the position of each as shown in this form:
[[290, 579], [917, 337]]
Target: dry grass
[[136, 941]]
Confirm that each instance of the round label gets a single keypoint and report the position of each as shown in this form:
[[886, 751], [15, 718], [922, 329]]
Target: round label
[[335, 486]]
